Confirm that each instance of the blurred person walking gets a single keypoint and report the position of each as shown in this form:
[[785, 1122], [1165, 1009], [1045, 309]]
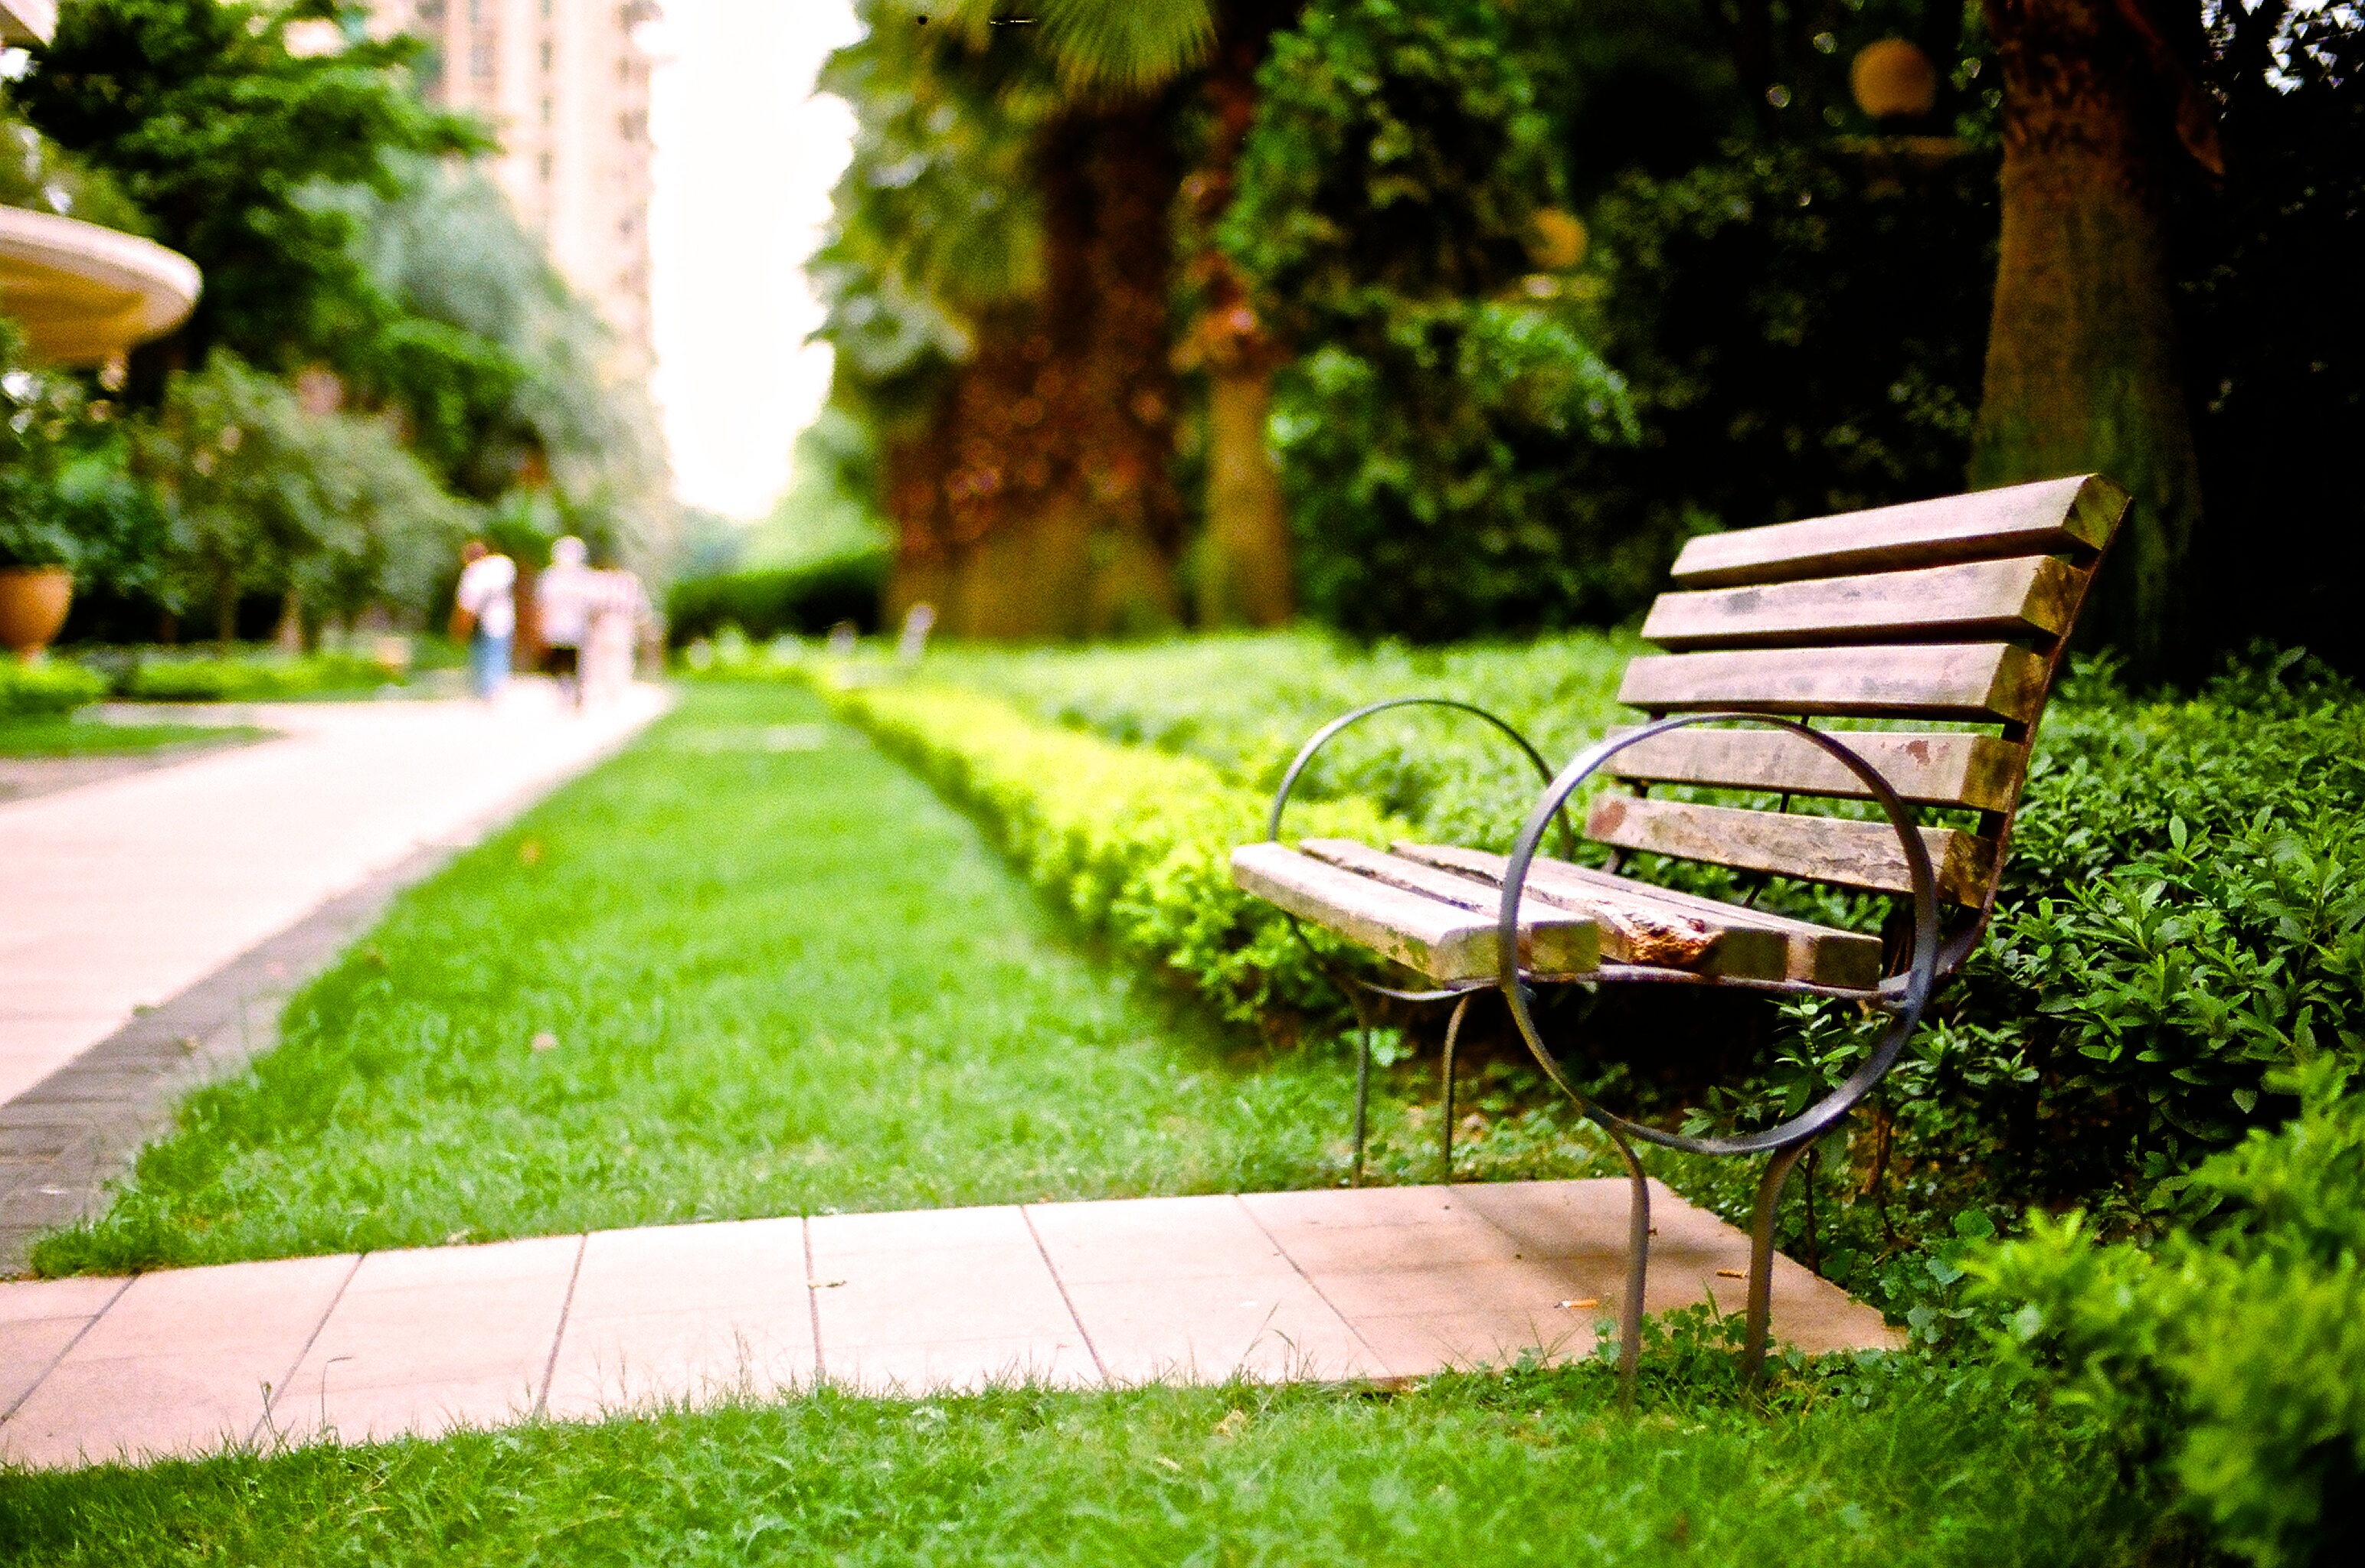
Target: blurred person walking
[[616, 616], [485, 614], [565, 597]]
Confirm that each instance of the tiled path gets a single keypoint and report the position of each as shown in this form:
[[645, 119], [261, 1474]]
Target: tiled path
[[1380, 1283], [121, 894]]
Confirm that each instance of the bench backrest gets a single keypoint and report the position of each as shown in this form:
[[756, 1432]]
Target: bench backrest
[[1957, 608]]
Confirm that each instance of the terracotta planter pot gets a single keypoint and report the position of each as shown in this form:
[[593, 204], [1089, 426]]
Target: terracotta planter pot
[[33, 602]]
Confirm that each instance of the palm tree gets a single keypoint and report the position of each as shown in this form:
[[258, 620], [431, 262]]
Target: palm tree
[[1114, 59]]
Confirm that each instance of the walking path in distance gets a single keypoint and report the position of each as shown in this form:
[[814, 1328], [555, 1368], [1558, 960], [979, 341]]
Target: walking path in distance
[[123, 893], [1390, 1281]]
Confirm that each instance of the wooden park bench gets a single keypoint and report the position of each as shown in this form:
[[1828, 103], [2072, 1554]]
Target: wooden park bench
[[1957, 609]]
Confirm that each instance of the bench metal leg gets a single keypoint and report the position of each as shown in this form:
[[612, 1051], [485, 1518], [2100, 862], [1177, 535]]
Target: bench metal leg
[[1445, 1141], [1761, 1258], [1362, 1098], [1638, 1268]]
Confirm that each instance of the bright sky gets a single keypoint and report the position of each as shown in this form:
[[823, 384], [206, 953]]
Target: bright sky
[[744, 159]]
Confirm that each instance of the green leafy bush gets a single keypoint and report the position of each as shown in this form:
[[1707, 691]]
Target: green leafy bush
[[803, 599], [249, 678], [1427, 431], [48, 686], [2232, 1355]]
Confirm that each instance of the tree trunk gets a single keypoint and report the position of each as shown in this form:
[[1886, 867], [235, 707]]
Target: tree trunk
[[2082, 363], [1242, 572], [1037, 503], [1243, 576]]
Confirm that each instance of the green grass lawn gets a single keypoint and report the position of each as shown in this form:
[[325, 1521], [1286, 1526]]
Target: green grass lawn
[[781, 976], [1874, 1467], [63, 737]]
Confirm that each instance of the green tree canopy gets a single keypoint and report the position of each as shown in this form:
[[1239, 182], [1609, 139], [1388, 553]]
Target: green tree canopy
[[201, 115]]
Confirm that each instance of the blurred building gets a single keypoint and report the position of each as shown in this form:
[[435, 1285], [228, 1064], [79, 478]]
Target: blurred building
[[566, 85]]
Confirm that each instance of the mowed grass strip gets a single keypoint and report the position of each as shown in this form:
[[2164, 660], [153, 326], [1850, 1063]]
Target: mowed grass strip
[[1533, 1466], [770, 973]]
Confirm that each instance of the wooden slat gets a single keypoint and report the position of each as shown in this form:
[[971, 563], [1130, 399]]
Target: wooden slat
[[2072, 516], [2030, 596], [1993, 682], [1444, 941], [1822, 849], [1979, 771], [1630, 935], [1799, 950]]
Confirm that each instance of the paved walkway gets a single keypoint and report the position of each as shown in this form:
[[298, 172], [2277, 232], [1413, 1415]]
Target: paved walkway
[[123, 893], [1380, 1283]]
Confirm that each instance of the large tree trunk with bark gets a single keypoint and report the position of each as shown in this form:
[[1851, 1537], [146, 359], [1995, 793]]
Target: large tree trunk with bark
[[2082, 363], [1038, 503]]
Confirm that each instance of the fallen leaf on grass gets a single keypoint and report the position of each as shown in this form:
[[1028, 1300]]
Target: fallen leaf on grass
[[529, 851], [1233, 1423]]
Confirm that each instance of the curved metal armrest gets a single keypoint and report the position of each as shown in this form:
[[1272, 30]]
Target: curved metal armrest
[[1905, 1002], [1322, 737]]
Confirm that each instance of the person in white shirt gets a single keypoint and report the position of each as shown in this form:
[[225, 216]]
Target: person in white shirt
[[564, 597], [485, 614]]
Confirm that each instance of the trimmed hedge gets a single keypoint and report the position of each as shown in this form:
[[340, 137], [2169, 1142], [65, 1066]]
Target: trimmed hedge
[[805, 600], [267, 678], [1133, 842], [49, 687]]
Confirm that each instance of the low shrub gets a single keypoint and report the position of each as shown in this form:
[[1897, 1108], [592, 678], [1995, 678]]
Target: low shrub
[[2231, 1356], [48, 687], [805, 599], [265, 678]]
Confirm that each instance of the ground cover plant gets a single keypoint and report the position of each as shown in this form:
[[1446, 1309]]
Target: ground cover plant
[[771, 973], [1870, 1466]]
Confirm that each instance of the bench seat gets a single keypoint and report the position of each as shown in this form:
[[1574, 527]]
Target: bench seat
[[1434, 908]]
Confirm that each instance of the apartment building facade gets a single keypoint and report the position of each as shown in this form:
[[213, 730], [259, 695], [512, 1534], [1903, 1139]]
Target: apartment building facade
[[565, 83]]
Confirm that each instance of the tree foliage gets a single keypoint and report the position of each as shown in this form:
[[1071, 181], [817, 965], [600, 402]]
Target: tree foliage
[[200, 113], [1387, 213], [267, 497]]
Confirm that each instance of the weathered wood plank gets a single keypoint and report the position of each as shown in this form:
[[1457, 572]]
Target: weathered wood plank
[[1822, 849], [1994, 682], [1756, 944], [1628, 935], [1979, 771], [1444, 941], [2072, 516], [2029, 596]]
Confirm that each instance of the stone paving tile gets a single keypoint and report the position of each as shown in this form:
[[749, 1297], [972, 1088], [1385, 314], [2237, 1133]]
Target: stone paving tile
[[939, 1297], [962, 1365], [1192, 1289], [183, 1362], [1155, 1238], [1398, 1281], [1206, 1327], [685, 1312], [395, 1356]]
